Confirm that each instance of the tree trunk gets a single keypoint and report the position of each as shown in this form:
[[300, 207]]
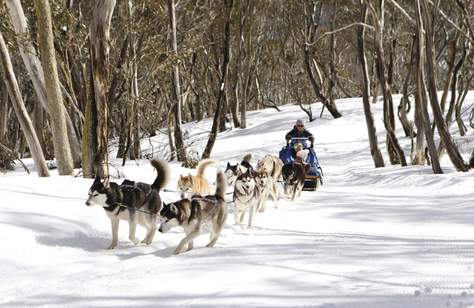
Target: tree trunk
[[317, 89], [332, 57], [223, 80], [178, 135], [374, 148], [35, 70], [169, 123], [21, 112], [444, 134], [421, 92], [38, 123], [3, 109], [393, 147], [99, 49], [404, 107], [62, 149]]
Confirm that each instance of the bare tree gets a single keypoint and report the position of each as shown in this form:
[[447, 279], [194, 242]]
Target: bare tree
[[178, 135], [97, 112], [422, 98], [62, 150], [21, 112], [428, 16], [374, 147], [223, 80], [35, 71], [394, 149]]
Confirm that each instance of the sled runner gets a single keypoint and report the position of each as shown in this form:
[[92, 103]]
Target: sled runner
[[314, 176]]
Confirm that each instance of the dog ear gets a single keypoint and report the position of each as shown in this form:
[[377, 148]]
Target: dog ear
[[106, 182], [228, 165], [96, 180], [173, 208]]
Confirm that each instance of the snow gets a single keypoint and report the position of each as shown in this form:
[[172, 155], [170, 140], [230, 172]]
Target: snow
[[372, 238]]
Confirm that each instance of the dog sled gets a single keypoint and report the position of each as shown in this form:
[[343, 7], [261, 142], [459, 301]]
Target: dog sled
[[314, 175]]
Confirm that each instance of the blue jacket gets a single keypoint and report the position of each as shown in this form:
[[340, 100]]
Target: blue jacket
[[295, 134]]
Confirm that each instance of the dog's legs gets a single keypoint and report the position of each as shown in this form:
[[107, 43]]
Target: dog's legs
[[252, 212], [115, 226], [300, 188], [184, 242], [150, 228], [236, 215], [242, 216], [216, 232], [152, 235], [295, 190], [275, 196], [263, 200], [132, 228]]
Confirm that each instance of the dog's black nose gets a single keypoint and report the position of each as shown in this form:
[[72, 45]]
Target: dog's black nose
[[88, 203], [161, 230]]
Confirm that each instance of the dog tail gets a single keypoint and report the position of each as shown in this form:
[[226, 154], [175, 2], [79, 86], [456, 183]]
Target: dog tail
[[221, 185], [163, 173], [203, 164], [247, 158], [276, 166]]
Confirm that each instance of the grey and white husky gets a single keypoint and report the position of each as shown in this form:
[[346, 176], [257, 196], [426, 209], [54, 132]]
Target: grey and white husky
[[273, 167], [266, 186], [134, 202], [247, 196], [192, 214]]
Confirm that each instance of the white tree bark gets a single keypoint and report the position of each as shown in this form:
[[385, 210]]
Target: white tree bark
[[27, 51], [62, 149], [21, 112], [35, 70], [99, 46]]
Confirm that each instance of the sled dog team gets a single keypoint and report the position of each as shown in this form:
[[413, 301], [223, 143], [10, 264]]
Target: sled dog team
[[141, 203]]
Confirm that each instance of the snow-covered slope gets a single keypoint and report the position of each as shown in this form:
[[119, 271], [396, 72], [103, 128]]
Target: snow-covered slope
[[389, 237]]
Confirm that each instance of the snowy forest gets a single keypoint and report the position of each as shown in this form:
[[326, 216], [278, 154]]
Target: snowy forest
[[326, 146], [79, 75]]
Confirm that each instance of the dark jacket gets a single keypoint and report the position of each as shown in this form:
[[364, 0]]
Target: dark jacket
[[295, 134]]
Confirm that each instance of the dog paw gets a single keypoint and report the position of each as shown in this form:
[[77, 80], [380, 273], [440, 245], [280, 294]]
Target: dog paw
[[112, 246], [135, 241]]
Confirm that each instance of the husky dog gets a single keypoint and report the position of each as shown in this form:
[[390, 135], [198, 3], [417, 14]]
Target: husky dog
[[265, 184], [134, 202], [247, 196], [192, 213], [293, 177], [196, 184], [233, 171], [273, 166]]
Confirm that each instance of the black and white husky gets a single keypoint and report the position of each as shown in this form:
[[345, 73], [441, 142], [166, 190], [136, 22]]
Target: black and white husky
[[192, 214], [247, 197], [134, 202], [232, 172]]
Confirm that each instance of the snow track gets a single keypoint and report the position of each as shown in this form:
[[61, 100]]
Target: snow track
[[372, 238]]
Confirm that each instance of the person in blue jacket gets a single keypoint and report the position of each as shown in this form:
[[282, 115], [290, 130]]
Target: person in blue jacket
[[299, 131]]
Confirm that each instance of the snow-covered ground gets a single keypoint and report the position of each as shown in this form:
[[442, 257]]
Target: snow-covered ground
[[372, 238]]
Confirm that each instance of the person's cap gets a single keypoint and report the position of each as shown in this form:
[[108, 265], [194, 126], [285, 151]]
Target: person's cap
[[299, 122]]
